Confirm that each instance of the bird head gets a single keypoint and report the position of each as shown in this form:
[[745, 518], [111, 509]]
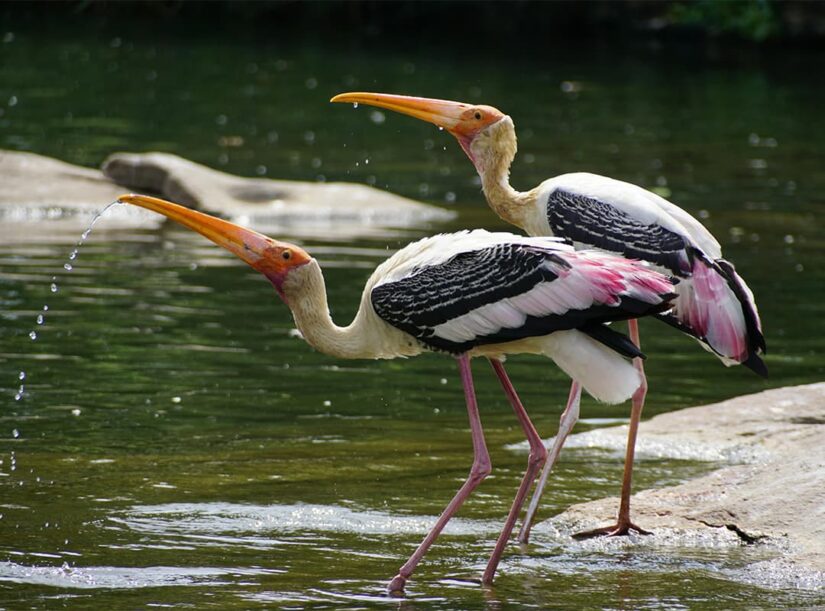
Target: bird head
[[275, 260], [472, 125]]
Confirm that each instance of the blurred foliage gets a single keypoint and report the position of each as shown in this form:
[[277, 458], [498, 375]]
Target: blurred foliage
[[751, 19], [512, 23]]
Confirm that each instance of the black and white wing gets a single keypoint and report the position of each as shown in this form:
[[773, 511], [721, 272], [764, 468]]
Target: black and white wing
[[714, 304], [509, 290]]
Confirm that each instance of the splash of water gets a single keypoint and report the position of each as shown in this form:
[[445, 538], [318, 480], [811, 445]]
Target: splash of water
[[53, 287]]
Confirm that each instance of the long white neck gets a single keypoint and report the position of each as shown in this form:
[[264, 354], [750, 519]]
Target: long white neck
[[494, 151], [365, 337]]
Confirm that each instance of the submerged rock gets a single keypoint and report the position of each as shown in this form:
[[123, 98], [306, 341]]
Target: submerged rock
[[775, 501]]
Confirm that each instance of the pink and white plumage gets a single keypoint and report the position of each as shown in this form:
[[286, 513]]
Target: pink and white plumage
[[715, 306], [467, 294]]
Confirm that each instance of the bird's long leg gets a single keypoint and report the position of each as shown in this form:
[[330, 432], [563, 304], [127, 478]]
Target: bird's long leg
[[568, 418], [481, 468], [538, 454], [623, 524]]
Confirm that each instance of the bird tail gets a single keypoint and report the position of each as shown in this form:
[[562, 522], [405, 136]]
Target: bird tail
[[593, 362], [717, 308]]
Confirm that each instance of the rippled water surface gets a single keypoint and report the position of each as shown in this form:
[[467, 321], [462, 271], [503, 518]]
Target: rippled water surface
[[176, 444]]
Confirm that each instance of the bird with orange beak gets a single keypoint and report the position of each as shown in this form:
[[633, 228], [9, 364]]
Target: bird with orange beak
[[713, 303], [466, 294]]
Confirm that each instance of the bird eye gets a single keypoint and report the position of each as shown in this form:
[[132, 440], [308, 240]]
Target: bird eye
[[286, 255], [478, 115]]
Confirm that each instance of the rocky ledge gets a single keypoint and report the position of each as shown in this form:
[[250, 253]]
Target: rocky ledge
[[769, 495]]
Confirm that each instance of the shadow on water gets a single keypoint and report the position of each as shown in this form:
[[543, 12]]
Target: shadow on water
[[178, 445]]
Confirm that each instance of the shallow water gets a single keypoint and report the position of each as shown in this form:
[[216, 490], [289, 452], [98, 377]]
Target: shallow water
[[177, 445]]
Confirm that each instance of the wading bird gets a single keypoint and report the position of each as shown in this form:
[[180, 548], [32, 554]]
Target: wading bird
[[714, 305], [466, 294]]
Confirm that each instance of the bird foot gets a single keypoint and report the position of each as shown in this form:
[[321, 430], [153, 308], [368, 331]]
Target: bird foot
[[616, 530], [396, 586]]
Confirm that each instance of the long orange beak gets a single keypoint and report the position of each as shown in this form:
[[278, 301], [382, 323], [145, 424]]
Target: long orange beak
[[272, 258], [444, 113], [464, 121]]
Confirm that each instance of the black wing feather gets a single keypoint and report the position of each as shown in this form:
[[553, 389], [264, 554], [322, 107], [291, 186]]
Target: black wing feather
[[436, 294], [601, 225]]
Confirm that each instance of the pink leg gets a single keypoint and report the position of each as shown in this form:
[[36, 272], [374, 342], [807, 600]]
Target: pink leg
[[538, 454], [481, 468], [568, 418], [623, 524]]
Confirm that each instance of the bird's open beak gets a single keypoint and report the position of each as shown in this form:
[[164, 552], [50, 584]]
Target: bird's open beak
[[272, 258], [443, 113]]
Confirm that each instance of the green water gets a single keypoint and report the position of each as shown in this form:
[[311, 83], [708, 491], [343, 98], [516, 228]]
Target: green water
[[177, 446]]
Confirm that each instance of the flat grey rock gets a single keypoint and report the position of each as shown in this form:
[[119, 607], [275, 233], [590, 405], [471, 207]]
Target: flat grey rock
[[769, 493]]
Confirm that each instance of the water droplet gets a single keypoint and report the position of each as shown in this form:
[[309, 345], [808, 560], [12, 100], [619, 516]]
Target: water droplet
[[45, 308], [175, 399], [355, 104], [76, 411], [40, 319], [21, 375], [441, 129], [18, 396], [53, 287], [73, 254], [366, 161], [15, 433], [86, 233], [68, 267], [33, 335]]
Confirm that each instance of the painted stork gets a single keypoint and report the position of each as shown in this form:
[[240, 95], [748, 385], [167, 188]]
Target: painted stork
[[714, 305], [467, 294]]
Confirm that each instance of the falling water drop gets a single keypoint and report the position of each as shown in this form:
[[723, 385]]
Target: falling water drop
[[15, 433], [53, 288], [441, 129], [355, 104]]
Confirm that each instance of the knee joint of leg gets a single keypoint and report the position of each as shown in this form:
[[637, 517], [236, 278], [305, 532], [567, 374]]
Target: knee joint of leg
[[481, 469], [538, 455]]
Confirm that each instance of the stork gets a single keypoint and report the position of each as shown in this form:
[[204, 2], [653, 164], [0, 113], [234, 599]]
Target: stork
[[713, 303], [467, 294]]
